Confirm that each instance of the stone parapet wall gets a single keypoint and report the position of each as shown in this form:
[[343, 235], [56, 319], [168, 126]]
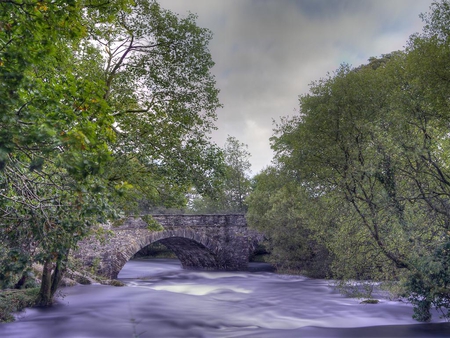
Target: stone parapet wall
[[210, 220]]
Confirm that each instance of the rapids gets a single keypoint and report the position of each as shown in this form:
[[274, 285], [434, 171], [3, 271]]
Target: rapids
[[162, 300]]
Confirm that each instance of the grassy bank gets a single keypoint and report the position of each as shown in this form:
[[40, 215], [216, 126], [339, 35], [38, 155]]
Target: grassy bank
[[12, 301]]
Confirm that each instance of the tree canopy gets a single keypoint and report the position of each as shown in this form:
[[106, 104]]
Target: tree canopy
[[232, 187], [102, 105], [369, 153]]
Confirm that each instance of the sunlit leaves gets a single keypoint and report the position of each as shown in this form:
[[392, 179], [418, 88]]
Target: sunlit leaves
[[55, 133], [102, 105]]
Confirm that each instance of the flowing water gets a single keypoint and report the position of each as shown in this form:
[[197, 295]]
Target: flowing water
[[162, 300]]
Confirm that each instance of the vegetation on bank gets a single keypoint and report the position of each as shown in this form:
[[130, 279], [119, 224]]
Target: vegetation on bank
[[360, 185], [14, 301], [103, 105]]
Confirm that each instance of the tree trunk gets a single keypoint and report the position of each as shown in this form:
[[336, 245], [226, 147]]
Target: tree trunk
[[58, 273], [22, 281], [51, 279], [45, 295]]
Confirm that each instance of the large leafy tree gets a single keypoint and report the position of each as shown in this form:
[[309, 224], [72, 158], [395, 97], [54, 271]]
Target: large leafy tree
[[52, 150], [55, 130], [371, 143], [163, 96], [75, 117]]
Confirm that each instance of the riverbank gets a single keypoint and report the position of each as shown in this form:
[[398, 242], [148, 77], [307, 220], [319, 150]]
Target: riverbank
[[13, 301]]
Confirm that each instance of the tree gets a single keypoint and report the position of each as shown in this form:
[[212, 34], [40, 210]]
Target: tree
[[284, 213], [73, 120], [233, 187], [371, 144], [237, 184], [163, 97], [52, 149]]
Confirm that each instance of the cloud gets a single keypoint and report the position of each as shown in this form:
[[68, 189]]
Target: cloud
[[268, 51]]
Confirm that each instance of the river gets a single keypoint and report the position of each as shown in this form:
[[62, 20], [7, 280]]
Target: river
[[162, 300]]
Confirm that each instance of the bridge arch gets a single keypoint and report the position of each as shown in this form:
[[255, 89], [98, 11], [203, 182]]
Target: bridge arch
[[194, 250], [213, 242]]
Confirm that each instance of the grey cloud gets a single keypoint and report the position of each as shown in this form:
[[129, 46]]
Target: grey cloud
[[268, 51]]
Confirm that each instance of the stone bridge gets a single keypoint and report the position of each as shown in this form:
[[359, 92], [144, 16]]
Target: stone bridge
[[213, 242]]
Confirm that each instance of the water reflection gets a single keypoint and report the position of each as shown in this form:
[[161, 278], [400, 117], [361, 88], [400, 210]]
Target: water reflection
[[162, 300]]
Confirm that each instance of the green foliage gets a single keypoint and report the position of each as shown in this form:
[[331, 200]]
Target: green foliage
[[94, 266], [368, 160], [163, 99], [102, 105], [54, 134], [14, 264], [281, 210], [12, 301], [237, 182], [429, 285], [233, 183], [152, 224]]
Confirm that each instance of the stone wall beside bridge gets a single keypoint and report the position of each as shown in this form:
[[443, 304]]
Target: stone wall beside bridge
[[212, 242]]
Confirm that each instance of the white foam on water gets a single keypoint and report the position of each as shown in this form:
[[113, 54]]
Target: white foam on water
[[218, 275], [198, 289]]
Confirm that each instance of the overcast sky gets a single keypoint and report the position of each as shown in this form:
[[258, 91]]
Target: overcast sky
[[267, 52]]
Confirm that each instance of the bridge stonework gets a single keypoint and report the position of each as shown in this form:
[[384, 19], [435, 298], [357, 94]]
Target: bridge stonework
[[211, 242]]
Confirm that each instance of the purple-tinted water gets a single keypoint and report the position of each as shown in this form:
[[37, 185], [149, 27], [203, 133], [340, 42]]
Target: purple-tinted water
[[162, 300]]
